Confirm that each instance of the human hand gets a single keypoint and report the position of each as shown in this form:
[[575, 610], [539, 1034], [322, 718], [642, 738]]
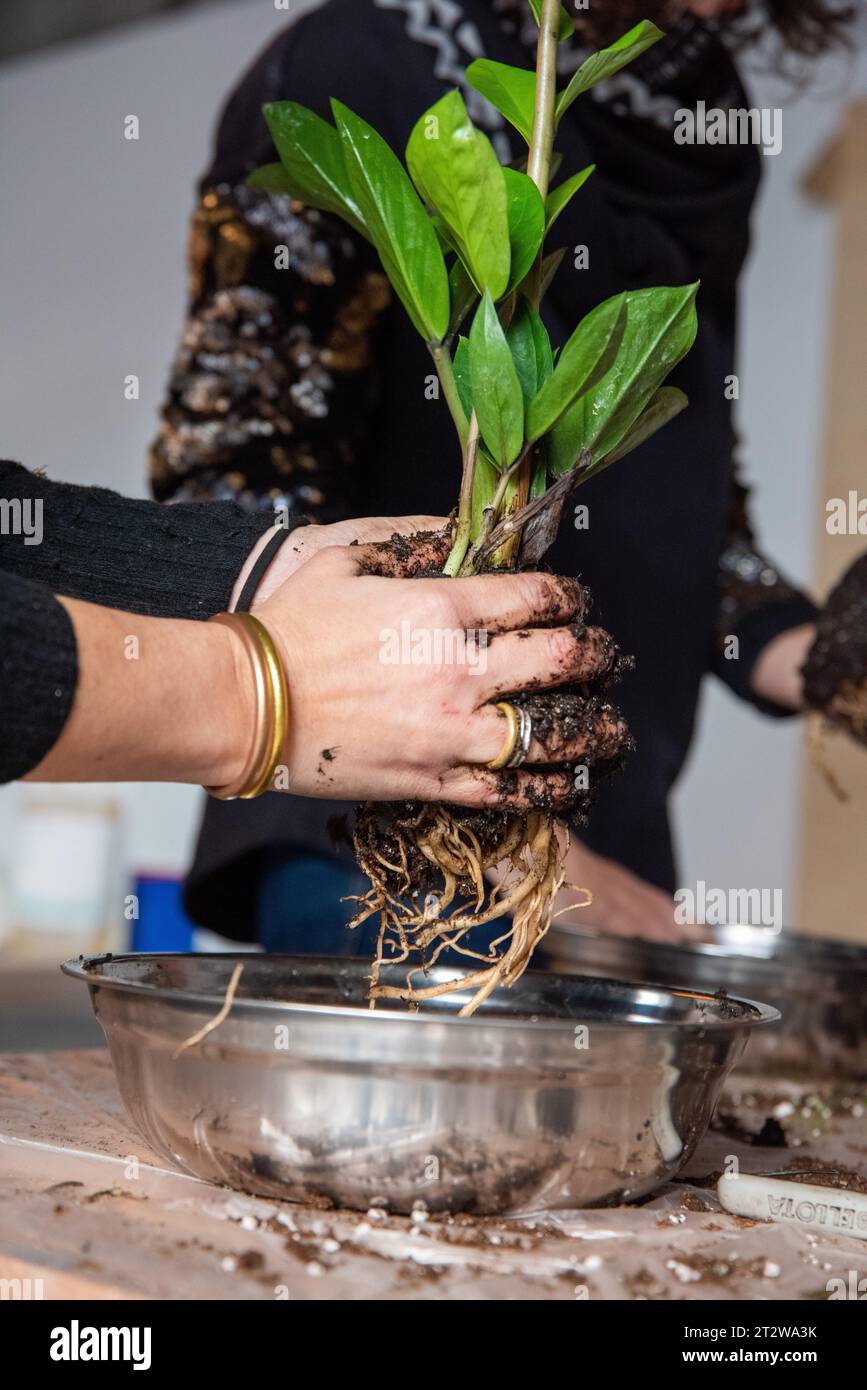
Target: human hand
[[306, 541], [623, 904], [364, 726]]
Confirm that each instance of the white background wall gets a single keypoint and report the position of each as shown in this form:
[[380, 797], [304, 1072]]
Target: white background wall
[[736, 808], [92, 288]]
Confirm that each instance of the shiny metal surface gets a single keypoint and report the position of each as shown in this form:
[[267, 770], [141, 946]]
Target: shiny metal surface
[[820, 987], [304, 1092]]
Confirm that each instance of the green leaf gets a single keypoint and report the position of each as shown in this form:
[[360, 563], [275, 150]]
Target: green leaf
[[667, 403], [530, 346], [561, 195], [398, 225], [549, 268], [604, 64], [660, 329], [495, 388], [539, 483], [511, 90], [444, 235], [526, 213], [566, 29], [462, 294], [585, 359], [456, 170], [461, 369], [312, 158], [271, 178]]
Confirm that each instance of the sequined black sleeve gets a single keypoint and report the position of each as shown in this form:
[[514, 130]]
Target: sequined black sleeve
[[274, 378], [756, 603]]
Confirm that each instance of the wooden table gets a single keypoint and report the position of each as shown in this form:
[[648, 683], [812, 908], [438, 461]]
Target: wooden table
[[87, 1209]]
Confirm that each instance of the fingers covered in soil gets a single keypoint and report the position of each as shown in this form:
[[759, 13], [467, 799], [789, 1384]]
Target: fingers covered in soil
[[405, 557], [566, 791], [578, 740], [567, 728], [492, 603], [533, 648], [539, 658], [525, 789], [501, 603]]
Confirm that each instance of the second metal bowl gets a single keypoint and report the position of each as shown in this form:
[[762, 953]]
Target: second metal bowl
[[819, 986], [558, 1093]]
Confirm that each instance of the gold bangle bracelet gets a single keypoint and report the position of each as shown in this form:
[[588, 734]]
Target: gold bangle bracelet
[[271, 716]]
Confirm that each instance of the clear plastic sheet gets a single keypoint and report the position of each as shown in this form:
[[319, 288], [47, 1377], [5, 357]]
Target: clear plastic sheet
[[81, 1198]]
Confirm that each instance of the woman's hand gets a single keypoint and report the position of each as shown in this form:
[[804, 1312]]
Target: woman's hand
[[306, 541], [823, 665], [164, 700], [623, 904], [367, 720], [777, 674]]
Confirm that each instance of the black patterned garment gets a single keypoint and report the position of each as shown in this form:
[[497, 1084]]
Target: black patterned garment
[[306, 386], [276, 372]]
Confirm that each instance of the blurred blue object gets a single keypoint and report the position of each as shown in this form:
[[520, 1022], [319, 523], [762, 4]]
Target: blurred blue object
[[162, 924], [301, 907]]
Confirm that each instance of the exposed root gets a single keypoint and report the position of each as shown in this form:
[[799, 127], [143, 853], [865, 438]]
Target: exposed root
[[426, 857], [816, 729], [218, 1017], [571, 907], [850, 706], [429, 864], [847, 711]]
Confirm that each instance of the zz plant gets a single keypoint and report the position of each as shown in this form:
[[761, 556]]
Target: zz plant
[[462, 240]]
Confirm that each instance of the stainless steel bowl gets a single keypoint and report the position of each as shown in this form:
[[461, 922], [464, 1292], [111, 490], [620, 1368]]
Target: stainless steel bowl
[[820, 987], [304, 1092]]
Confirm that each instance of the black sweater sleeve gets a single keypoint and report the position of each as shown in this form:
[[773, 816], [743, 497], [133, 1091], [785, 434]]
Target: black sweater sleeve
[[89, 543], [756, 604], [38, 672]]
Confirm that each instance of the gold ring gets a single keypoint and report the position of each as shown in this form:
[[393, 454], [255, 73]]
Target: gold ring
[[504, 757]]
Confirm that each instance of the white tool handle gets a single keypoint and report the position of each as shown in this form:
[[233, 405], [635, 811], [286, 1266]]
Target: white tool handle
[[795, 1203]]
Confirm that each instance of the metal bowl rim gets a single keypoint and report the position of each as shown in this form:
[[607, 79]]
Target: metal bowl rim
[[77, 968], [800, 952]]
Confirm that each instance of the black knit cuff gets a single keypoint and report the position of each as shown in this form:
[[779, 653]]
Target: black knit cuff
[[169, 562], [754, 632], [38, 674]]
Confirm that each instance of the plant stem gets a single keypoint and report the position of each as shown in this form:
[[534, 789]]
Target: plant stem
[[462, 556], [465, 508], [445, 371], [492, 511], [542, 142], [539, 170]]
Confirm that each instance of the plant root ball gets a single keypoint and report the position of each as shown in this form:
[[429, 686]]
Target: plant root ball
[[426, 866], [431, 866]]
